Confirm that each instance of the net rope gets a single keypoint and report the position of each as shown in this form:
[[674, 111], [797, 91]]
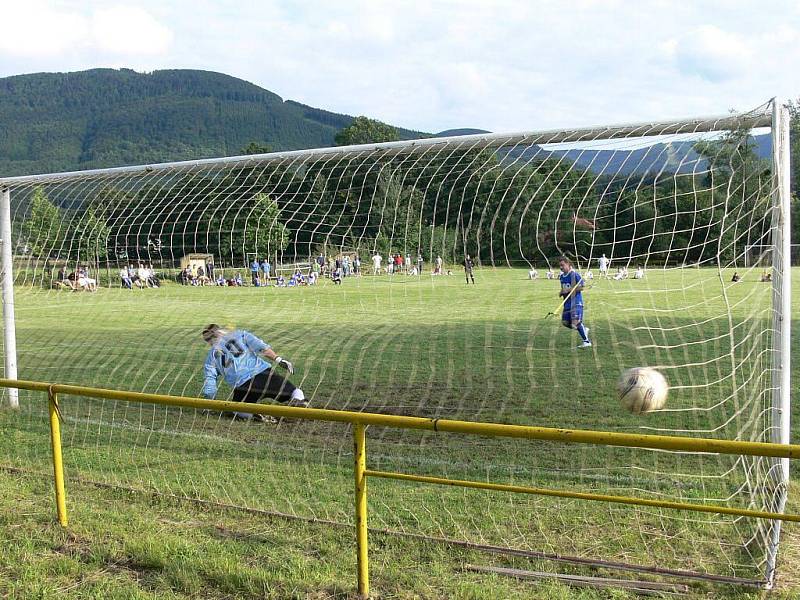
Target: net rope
[[686, 202]]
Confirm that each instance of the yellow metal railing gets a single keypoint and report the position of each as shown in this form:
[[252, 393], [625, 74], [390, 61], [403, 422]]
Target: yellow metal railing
[[360, 421]]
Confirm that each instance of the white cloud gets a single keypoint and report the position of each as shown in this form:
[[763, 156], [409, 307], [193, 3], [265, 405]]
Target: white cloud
[[34, 29], [41, 31], [129, 30], [502, 65], [713, 54]]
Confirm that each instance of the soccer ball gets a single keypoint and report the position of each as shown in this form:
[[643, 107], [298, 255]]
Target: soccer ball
[[642, 390]]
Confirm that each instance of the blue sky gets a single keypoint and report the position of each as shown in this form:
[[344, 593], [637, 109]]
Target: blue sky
[[435, 65]]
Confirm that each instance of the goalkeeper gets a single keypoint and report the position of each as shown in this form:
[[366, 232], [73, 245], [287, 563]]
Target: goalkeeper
[[239, 357]]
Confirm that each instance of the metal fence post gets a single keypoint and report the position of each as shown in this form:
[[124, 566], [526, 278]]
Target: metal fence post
[[360, 464], [58, 466]]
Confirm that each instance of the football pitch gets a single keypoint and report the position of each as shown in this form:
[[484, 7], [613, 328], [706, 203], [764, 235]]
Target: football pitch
[[428, 346]]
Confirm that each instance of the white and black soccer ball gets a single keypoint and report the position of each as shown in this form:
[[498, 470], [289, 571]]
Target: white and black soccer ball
[[642, 390]]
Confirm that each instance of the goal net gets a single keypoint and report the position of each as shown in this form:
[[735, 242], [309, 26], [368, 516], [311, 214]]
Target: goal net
[[350, 262]]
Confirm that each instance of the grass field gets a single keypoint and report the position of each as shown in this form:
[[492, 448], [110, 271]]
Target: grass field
[[430, 347]]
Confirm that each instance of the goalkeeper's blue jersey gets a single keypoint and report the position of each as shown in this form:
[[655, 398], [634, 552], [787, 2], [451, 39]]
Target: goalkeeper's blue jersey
[[567, 281], [235, 356]]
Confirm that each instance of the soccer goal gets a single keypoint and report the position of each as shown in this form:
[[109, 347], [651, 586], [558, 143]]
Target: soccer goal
[[431, 309]]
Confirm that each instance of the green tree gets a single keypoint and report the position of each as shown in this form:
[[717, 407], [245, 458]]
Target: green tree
[[254, 226], [256, 148], [366, 131], [42, 231], [89, 236]]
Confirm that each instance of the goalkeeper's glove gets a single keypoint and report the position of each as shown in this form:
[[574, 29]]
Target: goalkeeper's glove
[[282, 362]]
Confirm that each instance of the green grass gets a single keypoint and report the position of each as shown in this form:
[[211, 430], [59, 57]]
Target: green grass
[[430, 347]]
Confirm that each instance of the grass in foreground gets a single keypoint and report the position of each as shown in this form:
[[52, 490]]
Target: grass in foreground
[[135, 546], [409, 347]]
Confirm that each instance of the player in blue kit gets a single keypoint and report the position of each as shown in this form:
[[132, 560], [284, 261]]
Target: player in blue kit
[[571, 288], [239, 357]]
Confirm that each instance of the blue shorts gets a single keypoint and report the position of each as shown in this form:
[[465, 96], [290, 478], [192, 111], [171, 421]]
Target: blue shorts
[[572, 313]]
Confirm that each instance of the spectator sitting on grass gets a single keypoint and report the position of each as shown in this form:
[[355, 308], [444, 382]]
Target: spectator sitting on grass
[[85, 282], [125, 279]]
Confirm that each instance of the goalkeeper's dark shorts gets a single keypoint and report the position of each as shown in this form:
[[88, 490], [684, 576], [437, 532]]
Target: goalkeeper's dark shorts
[[266, 384]]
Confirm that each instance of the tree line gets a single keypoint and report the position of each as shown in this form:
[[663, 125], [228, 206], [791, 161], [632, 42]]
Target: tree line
[[475, 201]]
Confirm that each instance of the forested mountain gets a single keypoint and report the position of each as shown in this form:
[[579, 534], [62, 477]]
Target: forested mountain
[[106, 117]]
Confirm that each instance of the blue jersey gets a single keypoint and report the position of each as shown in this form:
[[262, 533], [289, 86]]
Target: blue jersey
[[568, 280], [235, 356], [254, 266]]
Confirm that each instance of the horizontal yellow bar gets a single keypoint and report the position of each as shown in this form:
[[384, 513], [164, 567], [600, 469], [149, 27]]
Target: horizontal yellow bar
[[709, 508], [573, 436]]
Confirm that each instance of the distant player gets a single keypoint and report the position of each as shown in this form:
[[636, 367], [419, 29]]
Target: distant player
[[468, 266], [604, 264], [571, 291], [376, 263], [238, 356]]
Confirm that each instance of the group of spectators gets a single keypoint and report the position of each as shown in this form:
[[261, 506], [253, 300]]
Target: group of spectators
[[209, 275], [141, 276], [397, 263], [77, 280], [338, 267], [622, 273]]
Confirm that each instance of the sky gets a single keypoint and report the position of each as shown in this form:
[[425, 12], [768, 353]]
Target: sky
[[499, 65]]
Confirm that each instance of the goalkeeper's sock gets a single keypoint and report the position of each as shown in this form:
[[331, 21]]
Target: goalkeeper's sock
[[583, 332], [298, 398]]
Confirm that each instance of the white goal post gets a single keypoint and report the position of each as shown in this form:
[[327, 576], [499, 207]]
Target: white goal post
[[700, 207]]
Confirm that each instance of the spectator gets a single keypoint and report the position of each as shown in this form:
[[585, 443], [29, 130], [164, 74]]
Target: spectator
[[152, 280], [209, 270], [346, 266], [254, 270], [126, 281], [266, 268], [398, 263], [420, 263], [357, 266], [407, 263], [85, 282], [201, 276], [141, 275]]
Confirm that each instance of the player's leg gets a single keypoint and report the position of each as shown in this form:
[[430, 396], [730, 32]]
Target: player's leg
[[269, 384], [577, 323]]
